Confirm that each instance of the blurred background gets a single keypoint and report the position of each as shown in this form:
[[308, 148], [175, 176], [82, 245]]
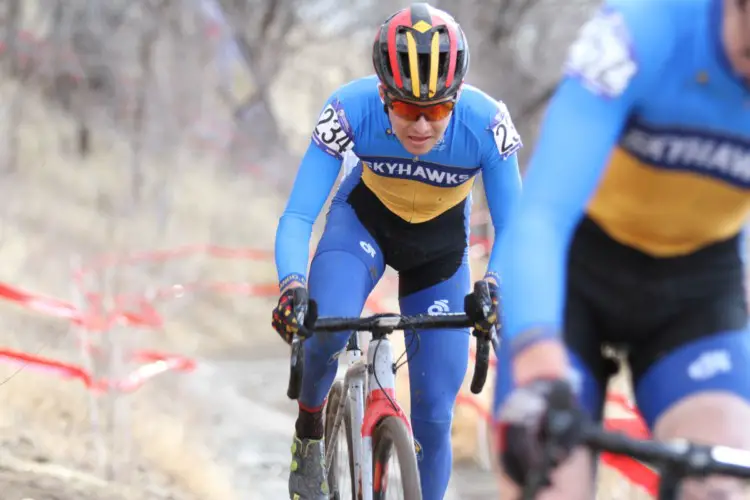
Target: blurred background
[[146, 151]]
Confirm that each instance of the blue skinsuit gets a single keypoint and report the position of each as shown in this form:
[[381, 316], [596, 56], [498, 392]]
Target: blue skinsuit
[[350, 259]]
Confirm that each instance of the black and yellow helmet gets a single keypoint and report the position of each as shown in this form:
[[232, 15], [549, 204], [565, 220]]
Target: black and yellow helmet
[[420, 54]]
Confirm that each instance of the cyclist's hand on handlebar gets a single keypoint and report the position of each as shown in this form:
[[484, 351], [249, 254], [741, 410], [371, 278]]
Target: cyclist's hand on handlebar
[[482, 306], [523, 427], [294, 314]]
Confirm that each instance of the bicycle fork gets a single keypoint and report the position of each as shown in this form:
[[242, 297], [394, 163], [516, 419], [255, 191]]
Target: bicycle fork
[[354, 390], [378, 380], [361, 448], [380, 404]]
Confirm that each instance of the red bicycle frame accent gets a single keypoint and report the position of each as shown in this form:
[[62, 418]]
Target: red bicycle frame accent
[[378, 406]]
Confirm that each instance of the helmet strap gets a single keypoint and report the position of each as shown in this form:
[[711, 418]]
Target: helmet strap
[[381, 93]]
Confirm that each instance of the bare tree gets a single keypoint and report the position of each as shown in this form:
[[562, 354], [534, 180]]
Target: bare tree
[[16, 65]]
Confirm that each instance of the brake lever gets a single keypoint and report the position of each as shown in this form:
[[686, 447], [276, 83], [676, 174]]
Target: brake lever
[[482, 361], [296, 369]]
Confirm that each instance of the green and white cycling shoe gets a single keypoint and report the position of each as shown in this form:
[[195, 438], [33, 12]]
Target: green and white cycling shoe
[[307, 480]]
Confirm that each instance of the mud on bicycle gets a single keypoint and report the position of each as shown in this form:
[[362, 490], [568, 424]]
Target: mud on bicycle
[[364, 424]]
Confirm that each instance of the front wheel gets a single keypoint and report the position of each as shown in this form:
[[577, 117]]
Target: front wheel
[[392, 440], [341, 468]]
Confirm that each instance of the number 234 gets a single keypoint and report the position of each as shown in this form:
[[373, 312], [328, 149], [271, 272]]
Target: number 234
[[329, 131]]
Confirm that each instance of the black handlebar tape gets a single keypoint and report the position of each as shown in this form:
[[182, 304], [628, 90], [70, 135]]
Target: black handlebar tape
[[296, 368], [481, 365]]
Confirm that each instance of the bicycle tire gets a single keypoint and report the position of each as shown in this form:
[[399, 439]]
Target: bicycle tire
[[393, 434], [334, 399]]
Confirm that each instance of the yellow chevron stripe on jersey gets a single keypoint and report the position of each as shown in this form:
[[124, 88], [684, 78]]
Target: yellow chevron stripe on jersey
[[665, 212], [415, 201]]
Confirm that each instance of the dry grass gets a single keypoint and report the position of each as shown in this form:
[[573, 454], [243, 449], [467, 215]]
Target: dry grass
[[60, 208]]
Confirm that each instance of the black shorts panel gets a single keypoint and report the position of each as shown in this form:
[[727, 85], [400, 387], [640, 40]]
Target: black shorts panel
[[646, 306], [581, 337], [407, 246], [430, 273], [720, 314]]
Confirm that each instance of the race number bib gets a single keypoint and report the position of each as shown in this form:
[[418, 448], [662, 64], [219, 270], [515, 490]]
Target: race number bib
[[329, 134], [602, 56], [507, 138]]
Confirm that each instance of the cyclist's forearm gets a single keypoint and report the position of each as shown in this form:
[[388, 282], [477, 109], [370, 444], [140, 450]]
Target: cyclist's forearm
[[292, 249], [502, 186], [532, 266]]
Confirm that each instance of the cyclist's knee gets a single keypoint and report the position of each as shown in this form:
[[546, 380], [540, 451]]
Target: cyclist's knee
[[709, 417], [325, 347], [712, 417], [699, 392], [340, 283], [567, 480]]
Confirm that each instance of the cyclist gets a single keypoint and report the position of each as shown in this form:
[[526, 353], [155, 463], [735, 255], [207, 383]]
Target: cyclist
[[628, 235], [421, 136]]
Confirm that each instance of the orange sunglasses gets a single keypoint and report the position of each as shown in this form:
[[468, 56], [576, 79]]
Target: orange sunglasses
[[411, 112]]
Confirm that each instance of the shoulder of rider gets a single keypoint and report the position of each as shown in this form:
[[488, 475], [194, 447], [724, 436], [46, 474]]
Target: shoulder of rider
[[483, 113], [335, 130]]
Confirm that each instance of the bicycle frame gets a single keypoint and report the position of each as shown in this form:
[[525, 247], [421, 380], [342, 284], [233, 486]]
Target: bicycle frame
[[379, 384], [371, 385]]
